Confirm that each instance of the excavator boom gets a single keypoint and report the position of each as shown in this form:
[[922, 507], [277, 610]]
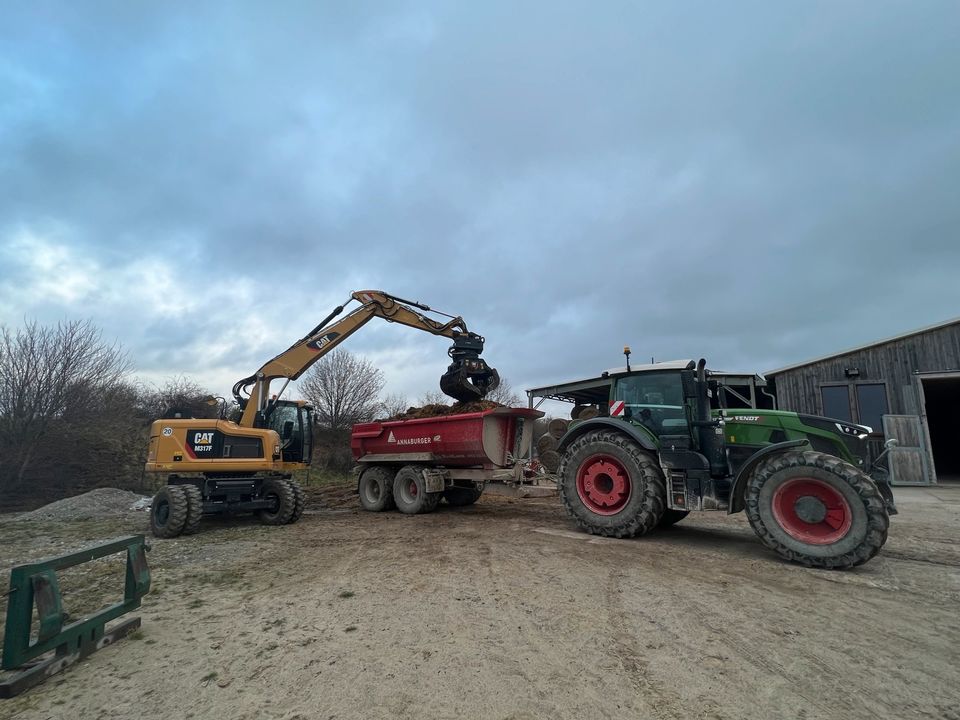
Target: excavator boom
[[468, 377]]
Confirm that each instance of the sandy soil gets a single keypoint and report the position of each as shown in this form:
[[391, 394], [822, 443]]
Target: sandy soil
[[504, 610]]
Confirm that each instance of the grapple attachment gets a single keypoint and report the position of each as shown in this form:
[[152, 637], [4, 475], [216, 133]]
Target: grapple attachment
[[469, 377]]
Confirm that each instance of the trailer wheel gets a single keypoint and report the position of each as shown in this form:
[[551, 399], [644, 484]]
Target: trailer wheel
[[460, 497], [816, 510], [409, 492], [671, 517], [375, 488], [299, 501], [168, 512], [283, 502], [194, 508], [611, 486]]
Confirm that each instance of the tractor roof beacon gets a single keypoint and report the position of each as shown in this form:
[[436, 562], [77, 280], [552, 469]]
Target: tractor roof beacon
[[665, 443]]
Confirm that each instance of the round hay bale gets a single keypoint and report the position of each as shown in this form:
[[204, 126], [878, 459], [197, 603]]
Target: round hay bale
[[588, 413], [577, 409], [550, 460], [557, 427], [546, 443]]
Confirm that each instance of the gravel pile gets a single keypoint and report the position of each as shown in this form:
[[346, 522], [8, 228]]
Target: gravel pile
[[98, 504]]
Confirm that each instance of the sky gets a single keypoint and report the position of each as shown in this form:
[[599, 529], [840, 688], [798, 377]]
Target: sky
[[756, 183]]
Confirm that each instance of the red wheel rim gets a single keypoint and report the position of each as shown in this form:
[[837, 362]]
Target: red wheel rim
[[603, 485], [811, 511]]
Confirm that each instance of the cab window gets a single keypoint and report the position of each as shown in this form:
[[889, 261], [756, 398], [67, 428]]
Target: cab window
[[654, 400]]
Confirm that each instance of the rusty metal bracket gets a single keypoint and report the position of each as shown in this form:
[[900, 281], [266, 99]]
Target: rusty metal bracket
[[56, 647]]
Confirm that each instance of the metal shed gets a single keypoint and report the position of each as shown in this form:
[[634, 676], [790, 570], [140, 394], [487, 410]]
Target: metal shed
[[907, 387]]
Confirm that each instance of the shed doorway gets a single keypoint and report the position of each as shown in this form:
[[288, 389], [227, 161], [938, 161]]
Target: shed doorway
[[941, 396]]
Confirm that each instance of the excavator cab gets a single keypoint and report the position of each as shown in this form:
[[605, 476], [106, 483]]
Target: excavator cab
[[293, 422]]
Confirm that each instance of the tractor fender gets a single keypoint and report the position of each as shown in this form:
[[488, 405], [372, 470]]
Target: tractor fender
[[743, 475], [643, 436]]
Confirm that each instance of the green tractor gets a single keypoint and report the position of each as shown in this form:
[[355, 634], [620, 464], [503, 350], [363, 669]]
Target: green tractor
[[667, 444]]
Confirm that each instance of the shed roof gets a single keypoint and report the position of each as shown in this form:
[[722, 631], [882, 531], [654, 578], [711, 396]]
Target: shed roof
[[859, 348]]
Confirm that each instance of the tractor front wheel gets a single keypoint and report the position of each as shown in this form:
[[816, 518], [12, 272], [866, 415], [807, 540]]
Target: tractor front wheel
[[816, 510], [671, 517], [611, 486]]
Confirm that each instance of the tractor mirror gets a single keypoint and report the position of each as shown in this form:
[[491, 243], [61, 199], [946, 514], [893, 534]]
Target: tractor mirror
[[891, 443], [689, 382]]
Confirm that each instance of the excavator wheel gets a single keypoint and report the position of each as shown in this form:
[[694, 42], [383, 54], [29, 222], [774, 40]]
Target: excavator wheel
[[300, 501], [461, 497], [194, 508], [168, 512], [375, 488], [282, 499], [409, 492]]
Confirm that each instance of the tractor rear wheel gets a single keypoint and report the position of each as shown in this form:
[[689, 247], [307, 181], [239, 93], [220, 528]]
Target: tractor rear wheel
[[299, 501], [375, 488], [410, 494], [611, 486], [194, 508], [283, 502], [671, 517], [168, 512], [816, 510], [461, 497]]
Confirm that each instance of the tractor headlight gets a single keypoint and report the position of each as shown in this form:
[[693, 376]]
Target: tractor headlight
[[858, 431]]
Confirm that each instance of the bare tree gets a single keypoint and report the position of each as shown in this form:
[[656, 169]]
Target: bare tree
[[50, 375], [178, 396], [505, 395], [344, 389], [434, 397], [392, 405]]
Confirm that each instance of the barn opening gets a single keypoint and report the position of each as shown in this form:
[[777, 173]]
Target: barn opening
[[942, 400]]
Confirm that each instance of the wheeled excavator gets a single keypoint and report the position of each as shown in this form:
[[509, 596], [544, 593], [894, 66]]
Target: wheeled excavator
[[218, 466]]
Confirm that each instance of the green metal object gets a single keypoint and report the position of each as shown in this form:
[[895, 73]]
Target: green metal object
[[35, 585]]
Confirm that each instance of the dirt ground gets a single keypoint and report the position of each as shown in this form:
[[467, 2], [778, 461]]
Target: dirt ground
[[504, 610]]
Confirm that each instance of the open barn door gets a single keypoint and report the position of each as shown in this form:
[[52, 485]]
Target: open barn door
[[908, 461]]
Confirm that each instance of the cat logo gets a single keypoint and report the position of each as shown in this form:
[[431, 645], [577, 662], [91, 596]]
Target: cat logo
[[203, 438], [321, 342]]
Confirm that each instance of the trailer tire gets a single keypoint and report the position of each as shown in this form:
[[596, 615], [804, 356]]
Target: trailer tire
[[461, 497], [671, 517], [817, 510], [375, 488], [194, 508], [168, 512], [611, 486], [284, 500], [299, 500], [409, 492]]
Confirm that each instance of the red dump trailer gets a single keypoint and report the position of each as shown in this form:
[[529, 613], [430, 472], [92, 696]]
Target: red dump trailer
[[413, 464]]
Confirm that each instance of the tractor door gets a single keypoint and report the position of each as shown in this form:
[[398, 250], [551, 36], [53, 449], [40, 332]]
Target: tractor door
[[655, 400]]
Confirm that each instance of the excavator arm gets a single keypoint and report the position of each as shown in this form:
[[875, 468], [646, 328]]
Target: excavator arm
[[467, 378]]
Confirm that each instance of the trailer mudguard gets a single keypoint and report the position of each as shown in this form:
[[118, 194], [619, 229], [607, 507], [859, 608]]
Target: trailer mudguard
[[644, 437], [736, 492]]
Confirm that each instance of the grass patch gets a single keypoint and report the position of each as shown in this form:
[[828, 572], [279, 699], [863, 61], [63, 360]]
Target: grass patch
[[347, 594], [210, 676], [350, 628], [194, 604]]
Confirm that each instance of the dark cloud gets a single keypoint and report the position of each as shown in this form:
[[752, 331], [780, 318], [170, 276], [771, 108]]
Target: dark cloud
[[756, 182]]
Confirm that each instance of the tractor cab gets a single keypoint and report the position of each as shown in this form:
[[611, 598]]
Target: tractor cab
[[293, 422]]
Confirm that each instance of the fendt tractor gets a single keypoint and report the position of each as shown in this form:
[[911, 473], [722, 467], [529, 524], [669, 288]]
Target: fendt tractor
[[666, 445], [219, 466]]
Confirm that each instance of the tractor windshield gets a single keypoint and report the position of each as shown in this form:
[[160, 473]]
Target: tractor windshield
[[654, 399]]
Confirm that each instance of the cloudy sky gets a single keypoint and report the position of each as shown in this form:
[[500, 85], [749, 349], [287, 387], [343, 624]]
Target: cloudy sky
[[754, 182]]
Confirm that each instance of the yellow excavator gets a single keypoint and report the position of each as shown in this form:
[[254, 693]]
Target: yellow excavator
[[220, 466]]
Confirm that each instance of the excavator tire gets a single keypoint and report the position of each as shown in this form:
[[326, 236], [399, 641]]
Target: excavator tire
[[284, 501], [194, 508], [461, 497], [168, 512], [816, 510], [409, 492], [375, 489], [671, 517], [300, 501], [611, 486]]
